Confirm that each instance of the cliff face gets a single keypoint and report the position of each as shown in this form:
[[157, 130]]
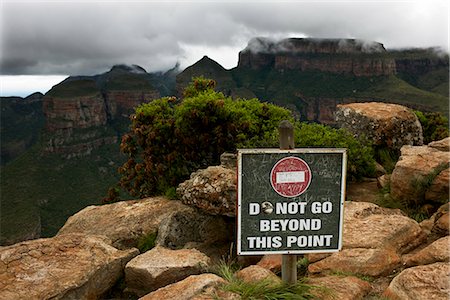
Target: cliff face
[[80, 110], [342, 56]]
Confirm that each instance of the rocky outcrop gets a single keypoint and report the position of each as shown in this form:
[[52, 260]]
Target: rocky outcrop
[[386, 125], [255, 273], [213, 190], [160, 267], [340, 56], [189, 288], [421, 283], [123, 222], [73, 266], [421, 175]]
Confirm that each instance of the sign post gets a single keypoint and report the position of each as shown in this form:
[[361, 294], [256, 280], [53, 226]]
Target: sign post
[[290, 201]]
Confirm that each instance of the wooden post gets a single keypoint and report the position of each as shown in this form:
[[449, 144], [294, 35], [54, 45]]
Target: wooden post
[[289, 261]]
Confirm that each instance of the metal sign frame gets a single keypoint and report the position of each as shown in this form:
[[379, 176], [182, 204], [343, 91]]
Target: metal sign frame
[[286, 153]]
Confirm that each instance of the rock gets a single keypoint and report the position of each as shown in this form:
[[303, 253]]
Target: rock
[[415, 169], [372, 262], [189, 225], [271, 262], [123, 222], [363, 191], [342, 288], [186, 289], [441, 227], [72, 266], [228, 160], [256, 273], [383, 181], [439, 188], [438, 251], [429, 282], [386, 125], [442, 145], [438, 223], [367, 225], [213, 190], [160, 267]]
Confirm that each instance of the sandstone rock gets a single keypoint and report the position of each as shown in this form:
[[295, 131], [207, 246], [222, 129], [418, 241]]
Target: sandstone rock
[[363, 191], [123, 222], [228, 160], [271, 262], [438, 251], [383, 181], [429, 282], [438, 223], [372, 262], [367, 225], [342, 288], [213, 190], [441, 226], [160, 267], [412, 170], [186, 289], [189, 225], [442, 145], [384, 124], [439, 188], [72, 266], [256, 273]]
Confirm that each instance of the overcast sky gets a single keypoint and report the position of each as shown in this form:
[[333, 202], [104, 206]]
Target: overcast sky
[[85, 37]]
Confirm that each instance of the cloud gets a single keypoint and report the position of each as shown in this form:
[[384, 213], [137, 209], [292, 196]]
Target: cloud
[[89, 37]]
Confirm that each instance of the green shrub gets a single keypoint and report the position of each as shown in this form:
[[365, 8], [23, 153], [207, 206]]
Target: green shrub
[[170, 138], [360, 153], [147, 242], [434, 126]]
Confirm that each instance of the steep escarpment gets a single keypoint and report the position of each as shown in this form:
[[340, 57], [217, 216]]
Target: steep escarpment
[[86, 112], [340, 56], [312, 76]]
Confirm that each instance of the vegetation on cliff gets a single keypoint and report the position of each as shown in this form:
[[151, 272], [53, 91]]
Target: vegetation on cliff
[[171, 138]]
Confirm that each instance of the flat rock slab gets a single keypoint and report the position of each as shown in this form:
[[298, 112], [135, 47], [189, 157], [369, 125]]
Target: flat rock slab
[[367, 225], [429, 282], [123, 222], [337, 287], [160, 267], [372, 262], [187, 289], [72, 266], [438, 251]]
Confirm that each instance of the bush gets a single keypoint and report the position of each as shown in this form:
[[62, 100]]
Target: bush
[[169, 139], [434, 126]]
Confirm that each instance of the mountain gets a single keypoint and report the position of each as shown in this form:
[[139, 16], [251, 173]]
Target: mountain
[[60, 151], [312, 76]]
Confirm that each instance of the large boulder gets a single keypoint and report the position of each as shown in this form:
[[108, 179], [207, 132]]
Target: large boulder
[[438, 251], [213, 190], [337, 287], [160, 267], [367, 225], [422, 173], [429, 282], [71, 266], [123, 222], [386, 125], [371, 262], [189, 225], [186, 289]]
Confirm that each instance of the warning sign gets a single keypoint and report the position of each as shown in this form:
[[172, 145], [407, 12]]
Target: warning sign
[[290, 201], [290, 177]]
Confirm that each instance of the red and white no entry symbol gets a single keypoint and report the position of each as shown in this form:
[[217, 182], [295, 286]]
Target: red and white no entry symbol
[[290, 177]]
